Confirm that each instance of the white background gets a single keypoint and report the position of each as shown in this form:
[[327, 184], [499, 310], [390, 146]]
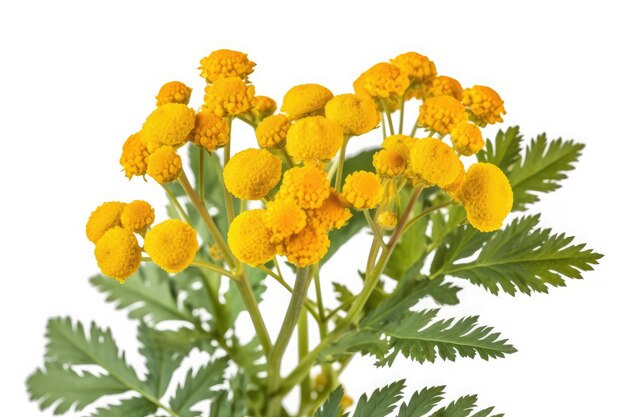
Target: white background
[[76, 78]]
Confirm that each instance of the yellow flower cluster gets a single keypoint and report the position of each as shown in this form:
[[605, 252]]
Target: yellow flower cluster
[[210, 131], [225, 63], [173, 92], [252, 173], [305, 100], [271, 132], [314, 138]]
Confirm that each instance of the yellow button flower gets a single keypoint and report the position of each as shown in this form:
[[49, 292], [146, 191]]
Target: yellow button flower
[[305, 100], [262, 106], [355, 114], [169, 124], [172, 245], [434, 162], [445, 86], [387, 220], [210, 131], [466, 138], [485, 104], [389, 163], [249, 238], [314, 138], [228, 97], [134, 157], [284, 218], [164, 165], [173, 92], [487, 196], [441, 113], [418, 67], [399, 143], [363, 190], [137, 216], [103, 218], [271, 133], [308, 186], [332, 214], [225, 63], [118, 254], [383, 80], [252, 173], [305, 248]]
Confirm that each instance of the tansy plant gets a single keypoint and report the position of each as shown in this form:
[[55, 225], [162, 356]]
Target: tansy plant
[[432, 199]]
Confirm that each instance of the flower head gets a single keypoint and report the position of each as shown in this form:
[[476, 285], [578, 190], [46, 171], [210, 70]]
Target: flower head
[[173, 92], [387, 220], [445, 86], [441, 113], [262, 106], [228, 97], [137, 216], [418, 67], [355, 114], [118, 254], [383, 80], [225, 63], [486, 195], [466, 138], [314, 138], [306, 247], [210, 131], [134, 157], [250, 239], [485, 104], [103, 218], [164, 165], [172, 245], [332, 214], [271, 133], [389, 163], [363, 190], [434, 162], [308, 186], [169, 125], [399, 143], [305, 100], [284, 218], [252, 173]]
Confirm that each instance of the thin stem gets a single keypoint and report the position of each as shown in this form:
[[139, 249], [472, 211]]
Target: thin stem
[[414, 130], [288, 159], [382, 117], [200, 184], [174, 201], [425, 213], [342, 157], [400, 126], [388, 114], [214, 268], [320, 300], [303, 349], [332, 169], [247, 121], [228, 198], [373, 226], [253, 308]]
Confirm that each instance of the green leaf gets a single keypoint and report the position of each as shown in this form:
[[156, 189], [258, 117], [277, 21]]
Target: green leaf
[[459, 408], [422, 402], [520, 257], [198, 387], [62, 388], [382, 401], [148, 295], [504, 151], [132, 407], [332, 405]]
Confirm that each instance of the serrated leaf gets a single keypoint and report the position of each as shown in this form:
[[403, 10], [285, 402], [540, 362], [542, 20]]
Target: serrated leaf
[[504, 150], [382, 401], [422, 402], [148, 295], [132, 407], [459, 408], [197, 387], [332, 405]]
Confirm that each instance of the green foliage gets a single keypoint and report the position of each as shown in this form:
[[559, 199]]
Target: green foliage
[[332, 406], [133, 407], [422, 402], [198, 387], [381, 402], [520, 257]]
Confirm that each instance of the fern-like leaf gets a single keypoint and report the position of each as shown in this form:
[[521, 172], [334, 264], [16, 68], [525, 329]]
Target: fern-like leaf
[[382, 401], [422, 402], [197, 387], [332, 406], [132, 407], [504, 150]]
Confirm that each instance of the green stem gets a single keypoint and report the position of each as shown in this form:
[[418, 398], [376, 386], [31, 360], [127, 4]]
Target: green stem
[[388, 114], [342, 157], [373, 226], [414, 130], [174, 201], [228, 198], [424, 214], [288, 159], [200, 185], [308, 304], [382, 117], [249, 299], [320, 301], [247, 121], [400, 126], [303, 349], [214, 268]]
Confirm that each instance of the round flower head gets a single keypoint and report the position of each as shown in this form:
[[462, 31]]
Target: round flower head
[[418, 67], [103, 218], [387, 220], [272, 131], [210, 131], [173, 92], [305, 100], [172, 245], [249, 238], [228, 97], [284, 218], [441, 113], [383, 80], [169, 124], [332, 214], [252, 173], [134, 157], [399, 143], [308, 186], [445, 86], [389, 163], [164, 165], [485, 104], [118, 254], [434, 162], [486, 195], [262, 106], [363, 190], [137, 216], [355, 114], [225, 63], [305, 248], [314, 138], [466, 138]]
